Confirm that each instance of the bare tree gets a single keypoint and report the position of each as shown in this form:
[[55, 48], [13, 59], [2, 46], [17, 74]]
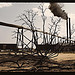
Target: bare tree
[[72, 31], [54, 28], [43, 10], [27, 18]]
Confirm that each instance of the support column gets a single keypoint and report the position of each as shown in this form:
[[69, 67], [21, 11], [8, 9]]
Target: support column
[[17, 37], [67, 29], [22, 38]]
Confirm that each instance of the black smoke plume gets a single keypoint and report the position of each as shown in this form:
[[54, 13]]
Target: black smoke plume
[[57, 11]]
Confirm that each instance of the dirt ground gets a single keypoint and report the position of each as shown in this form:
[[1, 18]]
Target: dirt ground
[[64, 56], [64, 62]]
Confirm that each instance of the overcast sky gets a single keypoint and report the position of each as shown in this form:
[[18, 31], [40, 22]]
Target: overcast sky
[[10, 11]]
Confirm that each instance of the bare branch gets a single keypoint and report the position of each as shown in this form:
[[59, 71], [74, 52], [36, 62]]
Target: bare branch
[[24, 21], [45, 10], [27, 18]]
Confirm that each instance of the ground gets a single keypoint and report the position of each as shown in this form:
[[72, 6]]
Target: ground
[[64, 62]]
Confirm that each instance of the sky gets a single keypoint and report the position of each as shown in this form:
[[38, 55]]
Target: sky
[[10, 11]]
